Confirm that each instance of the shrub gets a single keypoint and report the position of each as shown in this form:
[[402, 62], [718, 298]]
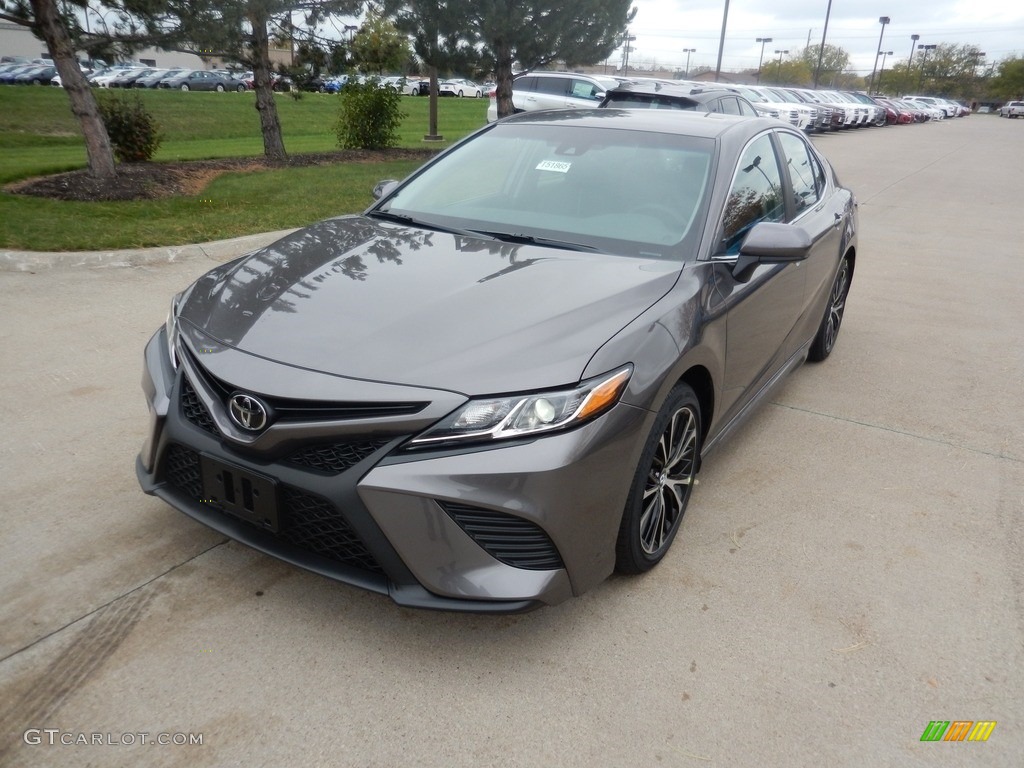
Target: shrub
[[133, 132], [369, 115]]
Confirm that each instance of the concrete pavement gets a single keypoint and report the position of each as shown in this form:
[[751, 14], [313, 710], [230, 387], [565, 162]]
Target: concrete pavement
[[851, 566]]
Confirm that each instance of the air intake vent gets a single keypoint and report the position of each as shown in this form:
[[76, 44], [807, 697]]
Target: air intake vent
[[507, 538]]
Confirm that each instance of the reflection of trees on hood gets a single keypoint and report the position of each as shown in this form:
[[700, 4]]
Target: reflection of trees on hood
[[290, 270]]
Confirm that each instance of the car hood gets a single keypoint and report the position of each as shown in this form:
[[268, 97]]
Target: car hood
[[366, 299]]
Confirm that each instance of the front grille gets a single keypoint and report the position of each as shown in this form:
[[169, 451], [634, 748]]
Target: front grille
[[181, 469], [308, 522], [193, 409], [315, 525], [337, 457], [289, 409], [507, 538]]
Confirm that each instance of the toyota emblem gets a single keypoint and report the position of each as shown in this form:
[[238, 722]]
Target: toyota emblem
[[248, 412]]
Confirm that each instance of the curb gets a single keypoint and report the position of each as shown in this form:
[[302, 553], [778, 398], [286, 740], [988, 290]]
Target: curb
[[218, 250]]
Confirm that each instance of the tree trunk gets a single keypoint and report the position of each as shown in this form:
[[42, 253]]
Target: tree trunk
[[503, 79], [83, 104], [432, 105], [270, 125]]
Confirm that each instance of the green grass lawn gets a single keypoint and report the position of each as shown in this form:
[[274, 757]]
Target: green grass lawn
[[39, 135]]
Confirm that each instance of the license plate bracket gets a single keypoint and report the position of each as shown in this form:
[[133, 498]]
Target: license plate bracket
[[243, 494]]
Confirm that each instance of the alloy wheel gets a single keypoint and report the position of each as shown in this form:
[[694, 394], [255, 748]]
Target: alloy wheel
[[669, 480]]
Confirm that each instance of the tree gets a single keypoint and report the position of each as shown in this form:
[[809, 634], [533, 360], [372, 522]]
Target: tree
[[48, 23], [1009, 83], [536, 33], [238, 30], [834, 62], [532, 33], [789, 72], [378, 45], [441, 39]]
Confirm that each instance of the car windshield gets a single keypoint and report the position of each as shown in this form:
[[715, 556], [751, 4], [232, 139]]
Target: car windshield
[[630, 192]]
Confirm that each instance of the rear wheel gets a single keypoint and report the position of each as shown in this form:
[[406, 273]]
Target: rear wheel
[[662, 484], [828, 331], [184, 86], [240, 88], [220, 88]]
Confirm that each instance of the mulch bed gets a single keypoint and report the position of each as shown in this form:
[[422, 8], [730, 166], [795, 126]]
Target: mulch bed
[[150, 181]]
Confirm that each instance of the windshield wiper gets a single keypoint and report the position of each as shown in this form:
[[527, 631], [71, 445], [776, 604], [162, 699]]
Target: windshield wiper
[[402, 218], [513, 237]]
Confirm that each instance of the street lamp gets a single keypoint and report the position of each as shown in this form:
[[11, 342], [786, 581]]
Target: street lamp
[[688, 51], [721, 41], [925, 48], [762, 41], [821, 51], [913, 42], [883, 54], [883, 20], [778, 70], [627, 39]]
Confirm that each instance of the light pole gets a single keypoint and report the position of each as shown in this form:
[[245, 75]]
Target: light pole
[[778, 69], [925, 48], [821, 51], [883, 20], [913, 42], [688, 51], [883, 54], [627, 39], [721, 41], [762, 41]]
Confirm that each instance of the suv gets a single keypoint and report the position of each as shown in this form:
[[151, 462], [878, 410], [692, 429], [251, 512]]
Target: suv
[[656, 95], [1012, 109], [554, 90]]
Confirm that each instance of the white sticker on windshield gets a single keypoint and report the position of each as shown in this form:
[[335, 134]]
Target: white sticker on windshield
[[554, 165]]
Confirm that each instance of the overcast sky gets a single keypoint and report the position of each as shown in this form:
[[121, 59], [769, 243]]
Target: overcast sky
[[664, 27]]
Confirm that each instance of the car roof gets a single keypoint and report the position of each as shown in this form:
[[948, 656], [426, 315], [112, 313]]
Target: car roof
[[709, 125]]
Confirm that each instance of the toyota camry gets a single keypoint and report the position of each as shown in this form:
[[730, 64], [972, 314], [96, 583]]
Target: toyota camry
[[495, 386]]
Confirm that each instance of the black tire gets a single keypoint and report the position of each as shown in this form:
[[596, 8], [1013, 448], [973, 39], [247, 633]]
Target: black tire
[[240, 88], [825, 339], [662, 484], [184, 86], [220, 88]]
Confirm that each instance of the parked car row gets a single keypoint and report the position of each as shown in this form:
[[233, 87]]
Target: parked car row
[[806, 109]]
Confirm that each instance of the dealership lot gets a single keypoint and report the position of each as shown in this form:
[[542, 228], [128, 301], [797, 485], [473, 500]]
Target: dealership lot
[[851, 566]]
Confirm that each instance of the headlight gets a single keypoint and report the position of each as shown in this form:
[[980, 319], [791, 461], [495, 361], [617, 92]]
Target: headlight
[[171, 330], [501, 418]]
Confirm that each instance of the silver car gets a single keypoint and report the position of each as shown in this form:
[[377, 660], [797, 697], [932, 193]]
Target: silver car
[[497, 385]]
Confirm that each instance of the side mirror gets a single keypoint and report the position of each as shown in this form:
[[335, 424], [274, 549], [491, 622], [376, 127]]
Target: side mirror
[[771, 243], [384, 188]]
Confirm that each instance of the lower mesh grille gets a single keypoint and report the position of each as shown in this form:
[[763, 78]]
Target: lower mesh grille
[[314, 524], [307, 521], [193, 409], [507, 538], [181, 468], [337, 457]]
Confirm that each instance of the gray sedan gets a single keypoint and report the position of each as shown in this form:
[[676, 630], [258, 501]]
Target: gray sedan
[[201, 80], [497, 385]]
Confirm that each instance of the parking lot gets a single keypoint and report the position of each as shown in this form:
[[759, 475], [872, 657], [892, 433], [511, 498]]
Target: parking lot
[[851, 566]]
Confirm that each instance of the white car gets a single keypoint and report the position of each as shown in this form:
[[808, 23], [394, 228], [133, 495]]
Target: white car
[[102, 80], [554, 90], [460, 88], [1012, 109], [929, 106], [768, 104], [932, 102]]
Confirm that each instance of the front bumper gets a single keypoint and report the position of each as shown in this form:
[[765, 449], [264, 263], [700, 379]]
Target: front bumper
[[502, 529]]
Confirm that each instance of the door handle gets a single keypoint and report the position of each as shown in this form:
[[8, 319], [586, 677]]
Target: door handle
[[838, 220]]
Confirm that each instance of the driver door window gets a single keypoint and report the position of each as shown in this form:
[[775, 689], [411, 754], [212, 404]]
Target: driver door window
[[755, 196]]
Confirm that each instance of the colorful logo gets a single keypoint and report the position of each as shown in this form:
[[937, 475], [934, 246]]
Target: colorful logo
[[958, 730]]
